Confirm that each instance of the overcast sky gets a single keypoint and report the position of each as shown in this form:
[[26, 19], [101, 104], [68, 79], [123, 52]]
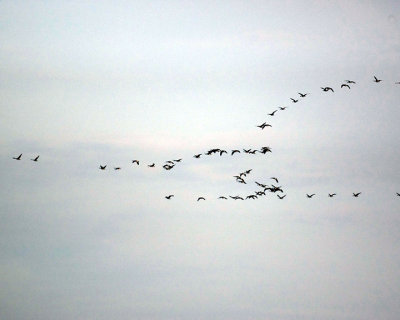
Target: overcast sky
[[84, 83]]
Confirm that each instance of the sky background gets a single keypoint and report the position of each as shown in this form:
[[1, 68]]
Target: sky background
[[85, 83]]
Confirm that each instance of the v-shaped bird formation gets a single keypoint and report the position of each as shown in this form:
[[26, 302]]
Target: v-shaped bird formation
[[240, 178]]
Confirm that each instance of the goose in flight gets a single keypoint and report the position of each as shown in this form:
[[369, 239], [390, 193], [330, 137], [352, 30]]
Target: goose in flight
[[35, 159], [222, 197], [169, 197], [260, 184], [281, 197], [345, 85], [197, 156], [201, 198], [252, 196], [178, 160], [264, 150], [117, 168], [102, 167], [377, 80], [355, 195], [168, 167], [331, 195], [264, 125], [248, 171], [135, 161], [272, 113], [294, 100], [151, 165], [303, 95], [350, 81], [276, 179], [282, 108], [222, 151], [310, 195], [325, 89], [18, 158], [234, 151]]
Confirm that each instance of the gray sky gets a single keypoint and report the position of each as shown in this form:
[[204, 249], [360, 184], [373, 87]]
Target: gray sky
[[90, 83]]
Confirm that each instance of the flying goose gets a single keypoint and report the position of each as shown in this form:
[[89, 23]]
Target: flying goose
[[18, 158]]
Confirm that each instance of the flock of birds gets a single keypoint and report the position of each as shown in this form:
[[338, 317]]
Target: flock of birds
[[240, 178]]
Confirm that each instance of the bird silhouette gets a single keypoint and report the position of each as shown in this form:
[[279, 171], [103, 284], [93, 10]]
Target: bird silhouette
[[282, 108], [264, 125], [272, 113], [303, 95], [222, 197], [345, 85], [35, 159], [398, 194], [294, 100], [350, 81], [169, 197], [234, 151], [117, 168], [18, 158], [327, 89], [135, 161], [310, 195], [331, 195], [222, 151], [377, 80], [197, 156], [178, 160], [276, 179], [356, 194], [102, 167], [151, 165], [281, 197], [201, 198], [252, 196]]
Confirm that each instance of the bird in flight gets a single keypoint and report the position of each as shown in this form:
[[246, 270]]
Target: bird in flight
[[222, 151], [201, 198], [197, 156], [35, 159], [377, 80], [356, 194], [310, 195], [222, 197], [272, 113], [18, 158], [276, 179], [264, 125], [331, 195], [350, 81], [282, 108], [151, 165], [117, 168], [345, 85], [135, 161], [327, 89], [178, 160], [235, 151], [281, 197], [398, 194], [294, 100], [169, 197], [102, 167], [303, 95]]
